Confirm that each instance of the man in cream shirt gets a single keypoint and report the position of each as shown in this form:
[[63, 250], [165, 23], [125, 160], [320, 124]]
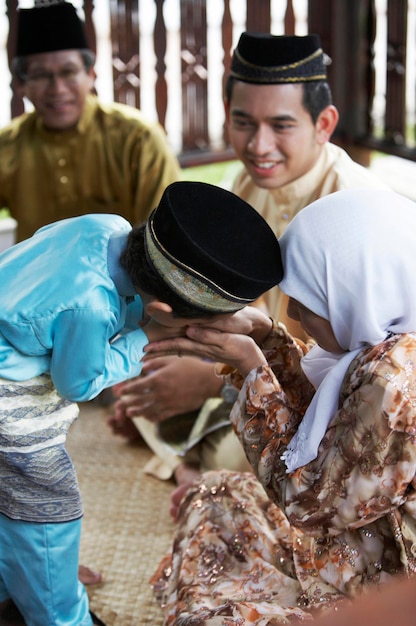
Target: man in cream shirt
[[280, 118]]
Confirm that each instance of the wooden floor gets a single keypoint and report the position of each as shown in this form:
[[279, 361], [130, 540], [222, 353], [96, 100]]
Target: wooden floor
[[126, 527]]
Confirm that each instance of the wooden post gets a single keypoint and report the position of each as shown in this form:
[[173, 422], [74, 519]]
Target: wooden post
[[159, 40], [126, 51], [395, 120], [16, 106], [258, 16], [194, 75], [347, 36]]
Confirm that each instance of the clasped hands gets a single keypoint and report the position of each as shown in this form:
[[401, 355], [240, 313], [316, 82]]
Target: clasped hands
[[170, 385], [232, 338]]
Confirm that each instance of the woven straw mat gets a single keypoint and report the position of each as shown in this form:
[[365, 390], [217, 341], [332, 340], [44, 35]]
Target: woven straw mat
[[126, 524]]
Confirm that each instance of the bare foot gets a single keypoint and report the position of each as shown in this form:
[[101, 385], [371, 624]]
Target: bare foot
[[88, 577], [123, 426], [185, 474], [176, 499]]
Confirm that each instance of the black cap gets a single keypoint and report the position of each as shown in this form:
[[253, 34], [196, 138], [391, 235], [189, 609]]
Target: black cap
[[272, 59], [48, 29], [212, 248]]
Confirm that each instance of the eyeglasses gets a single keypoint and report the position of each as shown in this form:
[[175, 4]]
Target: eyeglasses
[[43, 79]]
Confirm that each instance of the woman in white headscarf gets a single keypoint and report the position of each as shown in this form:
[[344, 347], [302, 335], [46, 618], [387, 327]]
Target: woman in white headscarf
[[336, 458]]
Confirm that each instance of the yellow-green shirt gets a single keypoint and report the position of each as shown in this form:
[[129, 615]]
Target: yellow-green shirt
[[114, 161]]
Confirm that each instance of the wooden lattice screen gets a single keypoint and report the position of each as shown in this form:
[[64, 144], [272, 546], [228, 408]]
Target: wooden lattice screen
[[347, 31]]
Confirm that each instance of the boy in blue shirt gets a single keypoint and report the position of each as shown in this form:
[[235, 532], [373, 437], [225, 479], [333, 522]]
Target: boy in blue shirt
[[80, 300]]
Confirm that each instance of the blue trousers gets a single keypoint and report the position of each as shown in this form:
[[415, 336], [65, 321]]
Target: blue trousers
[[39, 571]]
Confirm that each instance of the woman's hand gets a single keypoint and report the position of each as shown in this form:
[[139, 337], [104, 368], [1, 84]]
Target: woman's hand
[[229, 338], [249, 321], [239, 351]]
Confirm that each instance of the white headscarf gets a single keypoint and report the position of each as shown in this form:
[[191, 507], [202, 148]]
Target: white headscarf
[[349, 257]]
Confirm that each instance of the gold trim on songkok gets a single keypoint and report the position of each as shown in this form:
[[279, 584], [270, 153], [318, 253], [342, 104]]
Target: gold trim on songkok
[[189, 284], [307, 69]]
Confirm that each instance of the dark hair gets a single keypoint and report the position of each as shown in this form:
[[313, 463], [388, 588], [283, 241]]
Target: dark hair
[[142, 274], [316, 95], [19, 64]]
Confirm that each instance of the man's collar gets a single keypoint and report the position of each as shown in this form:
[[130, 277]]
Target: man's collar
[[116, 245], [91, 104]]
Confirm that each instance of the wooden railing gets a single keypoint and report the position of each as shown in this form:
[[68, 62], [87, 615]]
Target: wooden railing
[[170, 58], [372, 46]]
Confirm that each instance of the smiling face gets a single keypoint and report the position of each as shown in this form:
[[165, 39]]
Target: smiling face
[[314, 326], [273, 134], [57, 84]]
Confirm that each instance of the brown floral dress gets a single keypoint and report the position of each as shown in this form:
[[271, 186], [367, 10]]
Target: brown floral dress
[[282, 547]]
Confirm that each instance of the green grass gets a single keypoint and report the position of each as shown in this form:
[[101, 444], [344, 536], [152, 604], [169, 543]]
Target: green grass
[[221, 174]]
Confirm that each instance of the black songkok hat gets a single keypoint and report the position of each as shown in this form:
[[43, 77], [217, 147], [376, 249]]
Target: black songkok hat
[[212, 248], [272, 59], [48, 29]]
